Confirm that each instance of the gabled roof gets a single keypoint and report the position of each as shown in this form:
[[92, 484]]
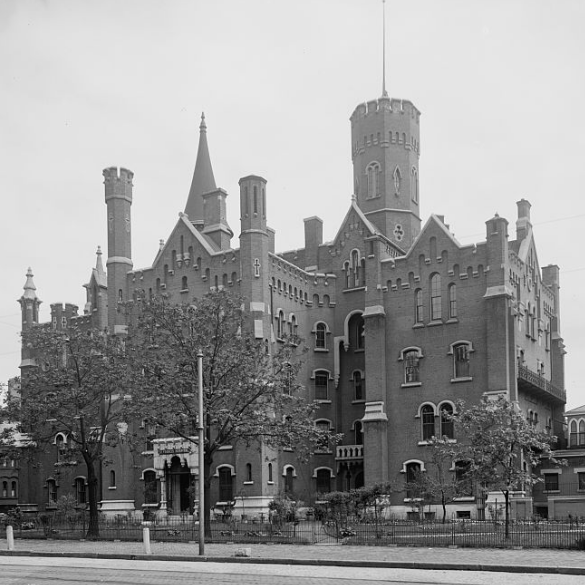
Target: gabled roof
[[367, 223], [434, 220], [207, 244], [580, 410]]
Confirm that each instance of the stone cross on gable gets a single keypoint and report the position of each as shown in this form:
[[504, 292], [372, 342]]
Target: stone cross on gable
[[256, 267]]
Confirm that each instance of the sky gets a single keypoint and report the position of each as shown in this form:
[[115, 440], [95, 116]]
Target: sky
[[86, 85]]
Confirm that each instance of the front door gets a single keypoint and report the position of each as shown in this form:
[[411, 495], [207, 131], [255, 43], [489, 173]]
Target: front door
[[178, 482]]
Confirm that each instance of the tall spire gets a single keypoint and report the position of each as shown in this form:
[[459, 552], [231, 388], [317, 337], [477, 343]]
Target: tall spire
[[384, 92], [203, 179]]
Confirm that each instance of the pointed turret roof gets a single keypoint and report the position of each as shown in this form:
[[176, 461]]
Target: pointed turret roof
[[203, 179], [30, 290]]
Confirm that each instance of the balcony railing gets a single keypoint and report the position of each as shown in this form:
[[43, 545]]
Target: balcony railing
[[538, 381], [349, 452]]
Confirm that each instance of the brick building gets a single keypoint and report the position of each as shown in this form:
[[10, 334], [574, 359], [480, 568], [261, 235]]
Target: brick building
[[400, 319]]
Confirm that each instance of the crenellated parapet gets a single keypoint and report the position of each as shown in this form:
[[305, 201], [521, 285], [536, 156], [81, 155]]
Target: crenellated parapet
[[118, 183]]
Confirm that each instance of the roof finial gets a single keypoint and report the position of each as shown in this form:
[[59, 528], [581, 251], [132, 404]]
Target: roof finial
[[384, 92], [203, 125]]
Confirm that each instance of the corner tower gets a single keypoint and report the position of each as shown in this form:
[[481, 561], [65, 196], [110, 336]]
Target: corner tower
[[29, 306], [385, 150], [118, 190]]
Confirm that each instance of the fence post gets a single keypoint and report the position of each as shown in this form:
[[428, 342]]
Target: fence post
[[146, 540], [10, 537]]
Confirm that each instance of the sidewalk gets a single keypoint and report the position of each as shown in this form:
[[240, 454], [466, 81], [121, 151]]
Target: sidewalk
[[517, 561]]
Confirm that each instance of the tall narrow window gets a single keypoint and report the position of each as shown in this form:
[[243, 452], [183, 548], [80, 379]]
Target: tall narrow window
[[358, 432], [280, 325], [418, 306], [324, 426], [464, 487], [461, 360], [150, 487], [13, 490], [347, 275], [51, 491], [447, 427], [270, 472], [289, 475], [412, 475], [411, 366], [225, 484], [255, 200], [427, 414], [80, 491], [355, 266], [323, 481], [249, 472], [112, 478], [4, 489], [373, 177], [321, 385], [358, 385], [397, 181], [414, 184], [356, 332], [452, 301], [184, 283], [436, 297]]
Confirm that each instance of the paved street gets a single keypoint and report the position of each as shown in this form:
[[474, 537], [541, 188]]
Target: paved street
[[405, 557], [83, 571]]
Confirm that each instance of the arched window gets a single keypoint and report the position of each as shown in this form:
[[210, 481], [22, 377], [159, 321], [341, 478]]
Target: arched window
[[150, 487], [356, 332], [184, 283], [112, 478], [61, 444], [452, 301], [373, 178], [226, 489], [347, 272], [120, 296], [13, 493], [358, 432], [80, 491], [293, 325], [270, 472], [249, 472], [358, 385], [581, 433], [289, 474], [418, 306], [325, 427], [427, 415], [397, 181], [323, 477], [280, 325], [413, 470], [411, 366], [436, 297], [321, 336], [255, 200], [246, 202], [4, 489], [447, 426]]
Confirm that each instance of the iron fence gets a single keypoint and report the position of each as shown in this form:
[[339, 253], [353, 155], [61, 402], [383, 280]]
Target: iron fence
[[453, 533]]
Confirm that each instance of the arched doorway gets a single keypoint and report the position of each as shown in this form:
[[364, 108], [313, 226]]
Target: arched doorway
[[178, 478]]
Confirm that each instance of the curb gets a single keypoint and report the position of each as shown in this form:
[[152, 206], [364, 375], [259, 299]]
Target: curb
[[447, 566]]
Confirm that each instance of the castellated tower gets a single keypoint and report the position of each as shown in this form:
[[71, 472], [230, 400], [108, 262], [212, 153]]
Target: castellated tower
[[118, 191], [385, 153]]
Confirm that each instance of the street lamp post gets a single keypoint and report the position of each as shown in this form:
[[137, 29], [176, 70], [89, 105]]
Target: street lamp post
[[200, 431]]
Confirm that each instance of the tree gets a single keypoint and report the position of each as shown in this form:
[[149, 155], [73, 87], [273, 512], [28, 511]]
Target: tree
[[437, 483], [249, 394], [74, 389], [496, 441]]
